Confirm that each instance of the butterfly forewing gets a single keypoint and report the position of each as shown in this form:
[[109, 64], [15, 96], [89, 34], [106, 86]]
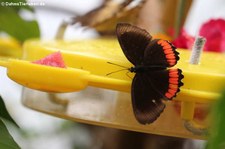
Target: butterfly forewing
[[161, 53], [133, 41], [146, 101]]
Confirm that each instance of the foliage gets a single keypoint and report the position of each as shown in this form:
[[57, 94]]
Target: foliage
[[6, 140], [217, 138], [13, 24]]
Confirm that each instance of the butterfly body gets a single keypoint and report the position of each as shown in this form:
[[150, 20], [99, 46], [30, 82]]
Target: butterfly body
[[154, 80], [143, 69]]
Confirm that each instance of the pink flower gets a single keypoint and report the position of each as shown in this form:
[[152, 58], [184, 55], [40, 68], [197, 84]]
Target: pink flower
[[214, 32], [184, 40]]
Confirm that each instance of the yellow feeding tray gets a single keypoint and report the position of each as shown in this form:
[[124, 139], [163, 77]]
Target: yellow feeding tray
[[88, 64], [10, 47]]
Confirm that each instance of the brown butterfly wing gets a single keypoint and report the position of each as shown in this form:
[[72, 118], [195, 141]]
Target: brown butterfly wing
[[133, 41], [146, 100], [161, 53], [166, 82], [149, 88]]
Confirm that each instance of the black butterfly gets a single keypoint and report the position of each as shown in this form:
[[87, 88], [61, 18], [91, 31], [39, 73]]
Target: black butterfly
[[152, 81]]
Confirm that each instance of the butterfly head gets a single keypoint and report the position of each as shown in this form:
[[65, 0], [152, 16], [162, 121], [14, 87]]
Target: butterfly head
[[132, 69]]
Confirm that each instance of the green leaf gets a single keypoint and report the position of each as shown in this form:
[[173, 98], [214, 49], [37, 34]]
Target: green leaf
[[6, 140], [217, 137], [4, 113], [14, 25]]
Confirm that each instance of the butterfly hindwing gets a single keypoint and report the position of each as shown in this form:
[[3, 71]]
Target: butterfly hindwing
[[146, 101], [166, 82], [175, 82], [160, 52], [133, 41]]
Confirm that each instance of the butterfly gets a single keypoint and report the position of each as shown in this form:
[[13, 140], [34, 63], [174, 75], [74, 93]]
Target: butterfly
[[154, 80], [105, 17]]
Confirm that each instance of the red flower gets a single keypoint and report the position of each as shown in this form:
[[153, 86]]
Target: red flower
[[214, 32], [184, 40]]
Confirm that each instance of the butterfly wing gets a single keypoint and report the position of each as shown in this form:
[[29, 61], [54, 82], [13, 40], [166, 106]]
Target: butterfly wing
[[146, 101], [149, 88], [133, 41], [167, 82], [161, 53]]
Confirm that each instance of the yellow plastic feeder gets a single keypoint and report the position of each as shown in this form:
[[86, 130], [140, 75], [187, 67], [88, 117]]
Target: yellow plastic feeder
[[107, 101]]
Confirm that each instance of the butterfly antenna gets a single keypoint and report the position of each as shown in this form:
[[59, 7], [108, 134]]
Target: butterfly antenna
[[116, 71], [125, 68], [117, 65], [127, 74]]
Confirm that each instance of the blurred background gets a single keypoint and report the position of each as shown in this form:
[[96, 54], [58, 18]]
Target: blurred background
[[41, 131]]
